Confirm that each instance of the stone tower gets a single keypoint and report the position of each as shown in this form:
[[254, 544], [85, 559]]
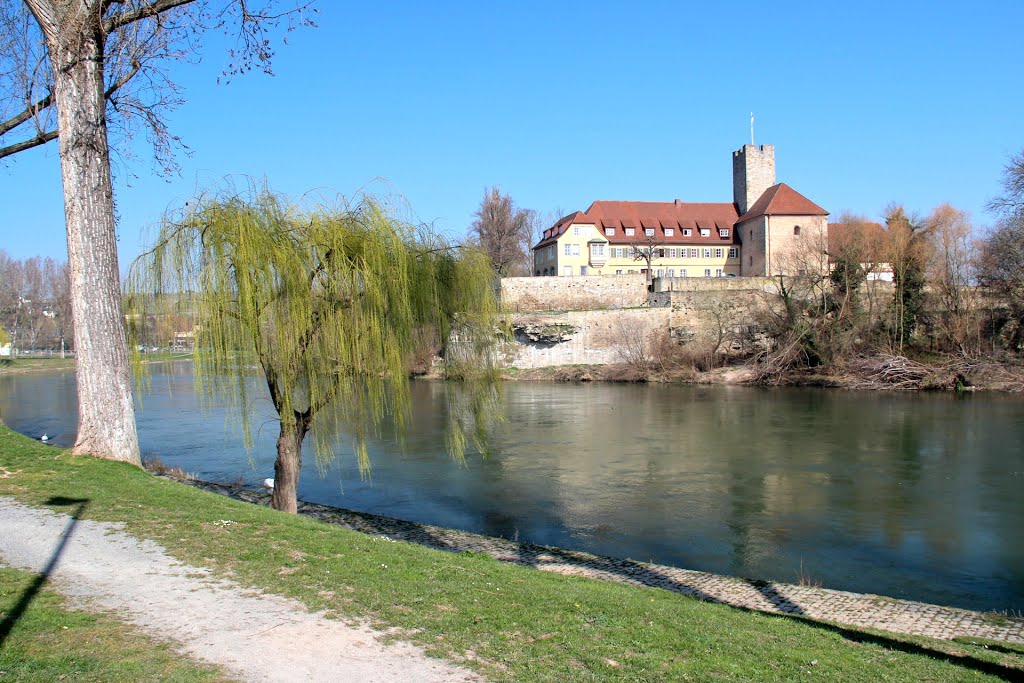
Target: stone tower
[[753, 172]]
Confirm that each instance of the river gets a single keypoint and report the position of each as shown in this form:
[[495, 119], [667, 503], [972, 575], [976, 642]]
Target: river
[[916, 496]]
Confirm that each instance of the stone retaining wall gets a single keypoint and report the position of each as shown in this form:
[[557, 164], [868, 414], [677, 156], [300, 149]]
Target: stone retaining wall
[[582, 293]]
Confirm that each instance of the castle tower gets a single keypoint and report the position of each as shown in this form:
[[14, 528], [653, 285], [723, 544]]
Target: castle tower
[[753, 172]]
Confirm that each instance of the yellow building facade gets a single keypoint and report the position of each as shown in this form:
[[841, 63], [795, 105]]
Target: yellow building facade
[[759, 233]]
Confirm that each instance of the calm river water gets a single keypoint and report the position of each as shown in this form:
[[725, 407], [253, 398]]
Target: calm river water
[[918, 496]]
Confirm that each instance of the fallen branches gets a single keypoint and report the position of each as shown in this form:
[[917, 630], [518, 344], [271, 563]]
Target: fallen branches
[[903, 374]]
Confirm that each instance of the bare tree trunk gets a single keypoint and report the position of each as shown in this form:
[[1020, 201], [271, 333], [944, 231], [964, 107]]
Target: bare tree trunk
[[288, 465], [106, 411]]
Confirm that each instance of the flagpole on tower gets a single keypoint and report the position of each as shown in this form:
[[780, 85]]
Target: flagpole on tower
[[751, 129]]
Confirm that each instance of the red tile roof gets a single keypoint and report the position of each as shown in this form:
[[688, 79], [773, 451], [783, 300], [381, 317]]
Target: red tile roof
[[779, 199], [782, 200], [657, 215]]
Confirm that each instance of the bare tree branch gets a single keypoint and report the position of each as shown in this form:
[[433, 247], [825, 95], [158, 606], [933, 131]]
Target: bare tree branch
[[38, 140], [116, 21], [20, 118]]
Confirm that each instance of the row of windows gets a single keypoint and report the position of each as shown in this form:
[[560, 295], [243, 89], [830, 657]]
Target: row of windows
[[662, 272], [671, 272], [677, 252], [598, 250], [669, 232]]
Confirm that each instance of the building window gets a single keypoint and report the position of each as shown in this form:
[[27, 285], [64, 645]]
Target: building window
[[649, 232], [575, 249], [687, 232], [705, 232], [661, 253], [693, 253], [567, 271], [568, 249], [796, 229], [630, 231], [597, 250], [671, 272], [618, 271], [707, 272], [682, 272], [583, 270], [609, 231], [733, 252], [661, 272], [707, 252], [719, 253], [575, 231], [723, 233], [718, 272], [630, 252], [670, 232], [671, 252]]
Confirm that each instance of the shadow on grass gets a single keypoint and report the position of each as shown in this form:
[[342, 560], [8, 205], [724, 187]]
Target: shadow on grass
[[12, 617], [609, 568], [1007, 673]]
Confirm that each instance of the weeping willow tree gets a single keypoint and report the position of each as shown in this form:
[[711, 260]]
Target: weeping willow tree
[[329, 305]]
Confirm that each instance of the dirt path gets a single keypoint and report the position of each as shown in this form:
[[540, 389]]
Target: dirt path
[[255, 637]]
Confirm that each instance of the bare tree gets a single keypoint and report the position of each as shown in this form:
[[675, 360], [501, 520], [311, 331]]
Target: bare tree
[[78, 71], [504, 232], [1001, 261], [1011, 201], [951, 274], [648, 249]]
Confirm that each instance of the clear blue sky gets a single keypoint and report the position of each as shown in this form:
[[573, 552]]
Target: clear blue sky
[[563, 103]]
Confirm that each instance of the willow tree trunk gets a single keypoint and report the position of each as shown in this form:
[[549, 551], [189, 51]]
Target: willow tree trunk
[[288, 464], [106, 411]]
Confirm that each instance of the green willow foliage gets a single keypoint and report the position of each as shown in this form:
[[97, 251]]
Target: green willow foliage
[[329, 304]]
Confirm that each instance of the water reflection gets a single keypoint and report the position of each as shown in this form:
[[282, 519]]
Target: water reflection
[[912, 496]]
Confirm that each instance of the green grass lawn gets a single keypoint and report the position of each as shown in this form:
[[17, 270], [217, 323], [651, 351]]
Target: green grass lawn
[[511, 623], [42, 639]]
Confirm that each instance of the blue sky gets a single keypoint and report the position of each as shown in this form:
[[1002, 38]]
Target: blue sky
[[560, 104]]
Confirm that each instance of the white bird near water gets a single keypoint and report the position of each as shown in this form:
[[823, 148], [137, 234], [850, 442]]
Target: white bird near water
[[268, 484], [44, 437]]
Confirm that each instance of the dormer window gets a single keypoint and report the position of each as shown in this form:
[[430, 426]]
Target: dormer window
[[670, 232], [609, 232], [649, 232], [687, 232], [723, 233], [705, 232], [630, 231]]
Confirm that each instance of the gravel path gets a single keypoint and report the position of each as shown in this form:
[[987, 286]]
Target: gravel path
[[253, 636]]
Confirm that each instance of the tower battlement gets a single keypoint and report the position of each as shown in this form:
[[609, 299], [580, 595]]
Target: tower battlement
[[753, 172]]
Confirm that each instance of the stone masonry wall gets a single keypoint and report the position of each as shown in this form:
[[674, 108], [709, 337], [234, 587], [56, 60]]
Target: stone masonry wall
[[701, 310], [582, 293]]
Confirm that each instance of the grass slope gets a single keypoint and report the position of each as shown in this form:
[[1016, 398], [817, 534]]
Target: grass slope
[[511, 623]]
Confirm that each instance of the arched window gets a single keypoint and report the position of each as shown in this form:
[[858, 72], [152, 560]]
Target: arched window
[[796, 229]]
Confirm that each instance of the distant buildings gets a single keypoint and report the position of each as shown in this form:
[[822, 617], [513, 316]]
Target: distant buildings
[[767, 229]]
